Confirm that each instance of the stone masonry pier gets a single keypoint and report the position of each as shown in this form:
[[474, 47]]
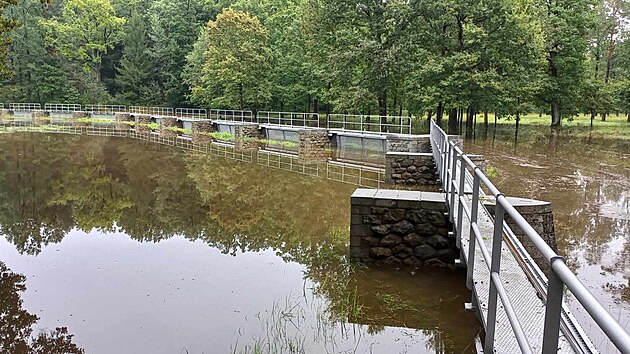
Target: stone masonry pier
[[401, 228]]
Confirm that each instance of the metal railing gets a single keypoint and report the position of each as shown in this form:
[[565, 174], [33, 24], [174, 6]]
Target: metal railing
[[61, 107], [105, 109], [158, 111], [369, 123], [25, 107], [231, 115], [193, 113], [293, 119], [450, 159]]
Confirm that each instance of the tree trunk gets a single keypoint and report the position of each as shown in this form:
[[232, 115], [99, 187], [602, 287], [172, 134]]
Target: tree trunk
[[485, 119], [452, 121], [240, 96], [439, 114], [592, 117], [469, 121], [308, 103], [382, 107], [555, 114]]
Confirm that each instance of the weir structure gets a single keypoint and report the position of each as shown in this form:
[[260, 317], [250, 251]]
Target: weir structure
[[453, 215]]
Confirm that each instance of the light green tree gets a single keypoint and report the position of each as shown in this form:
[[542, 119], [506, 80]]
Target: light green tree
[[85, 30], [235, 60]]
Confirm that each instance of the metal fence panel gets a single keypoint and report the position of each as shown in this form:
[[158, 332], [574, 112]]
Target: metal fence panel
[[25, 107], [231, 115], [194, 113], [293, 119], [369, 123]]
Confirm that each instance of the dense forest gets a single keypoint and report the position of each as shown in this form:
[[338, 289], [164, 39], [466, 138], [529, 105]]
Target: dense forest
[[451, 58]]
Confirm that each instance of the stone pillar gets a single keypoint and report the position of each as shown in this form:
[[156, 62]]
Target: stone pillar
[[142, 123], [165, 124], [401, 228], [540, 216], [79, 115], [201, 131], [5, 113], [314, 146], [480, 161], [246, 136], [40, 117], [121, 117], [410, 169]]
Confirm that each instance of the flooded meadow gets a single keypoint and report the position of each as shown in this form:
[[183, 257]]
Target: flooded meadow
[[587, 180]]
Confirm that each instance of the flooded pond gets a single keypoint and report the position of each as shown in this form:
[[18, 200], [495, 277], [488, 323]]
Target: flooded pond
[[588, 183], [127, 246]]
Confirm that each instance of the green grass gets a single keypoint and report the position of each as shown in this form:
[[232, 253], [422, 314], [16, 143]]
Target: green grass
[[615, 126], [95, 120]]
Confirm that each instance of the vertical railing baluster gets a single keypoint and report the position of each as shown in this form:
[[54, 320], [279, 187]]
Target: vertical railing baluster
[[472, 240], [555, 288], [495, 267], [460, 193], [451, 181]]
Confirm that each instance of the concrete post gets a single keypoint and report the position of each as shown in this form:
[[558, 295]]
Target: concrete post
[[540, 216], [79, 115], [142, 123], [314, 146], [121, 117], [165, 124], [200, 132], [40, 117], [246, 136]]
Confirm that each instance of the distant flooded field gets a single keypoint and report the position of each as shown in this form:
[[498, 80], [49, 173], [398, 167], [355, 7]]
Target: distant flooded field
[[128, 246], [587, 180]]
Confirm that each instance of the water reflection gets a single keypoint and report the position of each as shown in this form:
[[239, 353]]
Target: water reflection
[[16, 333], [587, 181], [114, 212]]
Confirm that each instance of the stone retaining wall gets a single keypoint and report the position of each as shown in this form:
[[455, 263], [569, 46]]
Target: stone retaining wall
[[412, 143], [165, 124], [142, 123], [314, 146], [40, 117], [410, 169], [76, 115], [200, 130], [401, 228], [246, 136], [121, 117]]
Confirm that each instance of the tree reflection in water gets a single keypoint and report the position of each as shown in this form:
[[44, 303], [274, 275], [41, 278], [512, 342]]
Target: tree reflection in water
[[53, 184], [16, 323]]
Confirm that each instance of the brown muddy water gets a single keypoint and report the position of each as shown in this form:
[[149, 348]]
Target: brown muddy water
[[127, 246], [588, 183]]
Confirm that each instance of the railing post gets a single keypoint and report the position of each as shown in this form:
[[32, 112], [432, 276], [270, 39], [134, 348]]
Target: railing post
[[495, 267], [460, 193], [446, 152], [474, 210], [451, 181], [553, 309]]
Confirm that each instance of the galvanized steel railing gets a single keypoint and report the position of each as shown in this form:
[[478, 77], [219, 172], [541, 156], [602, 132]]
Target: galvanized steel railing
[[231, 115], [25, 107], [62, 107], [293, 119], [448, 157], [369, 123]]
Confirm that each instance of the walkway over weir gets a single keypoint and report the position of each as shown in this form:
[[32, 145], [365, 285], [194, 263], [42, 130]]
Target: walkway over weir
[[521, 309]]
